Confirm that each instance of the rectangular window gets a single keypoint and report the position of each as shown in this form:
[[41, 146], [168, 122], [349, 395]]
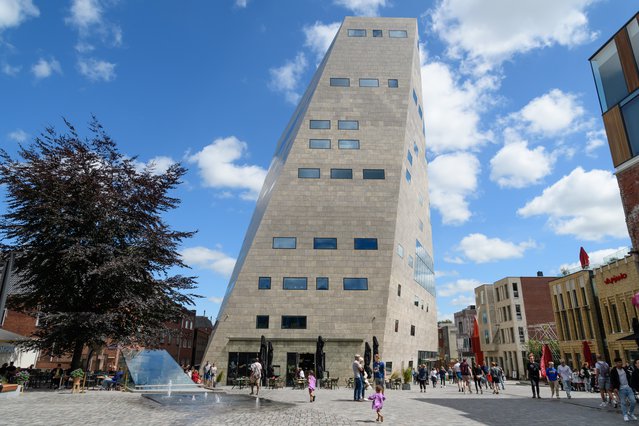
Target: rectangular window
[[308, 173], [424, 273], [284, 242], [633, 34], [293, 322], [416, 301], [609, 78], [319, 143], [321, 283], [368, 82], [373, 174], [355, 283], [365, 244], [412, 330], [410, 261], [486, 337], [408, 176], [615, 318], [348, 144], [341, 82], [348, 125], [420, 224], [630, 113], [377, 33], [414, 97], [420, 198], [396, 326], [356, 33], [399, 290], [341, 173], [515, 290], [518, 311], [415, 148], [393, 83], [324, 243], [400, 251], [419, 110], [409, 157], [264, 283], [261, 321], [297, 283], [397, 34], [522, 336], [320, 124]]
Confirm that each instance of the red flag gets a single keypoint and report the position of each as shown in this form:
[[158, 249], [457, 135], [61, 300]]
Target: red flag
[[546, 357], [476, 344], [583, 258]]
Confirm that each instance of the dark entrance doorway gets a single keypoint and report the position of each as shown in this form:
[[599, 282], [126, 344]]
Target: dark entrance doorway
[[239, 363], [295, 360]]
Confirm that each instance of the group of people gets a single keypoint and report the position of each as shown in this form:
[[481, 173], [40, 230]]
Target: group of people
[[617, 385], [362, 376], [435, 376], [483, 376], [209, 374]]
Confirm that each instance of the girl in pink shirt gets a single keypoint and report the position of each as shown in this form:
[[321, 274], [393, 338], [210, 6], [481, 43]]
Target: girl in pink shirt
[[378, 402], [311, 385]]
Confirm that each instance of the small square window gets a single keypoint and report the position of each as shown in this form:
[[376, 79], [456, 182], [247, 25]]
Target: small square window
[[408, 176], [373, 174], [400, 251], [419, 110], [356, 33], [321, 283], [261, 321], [319, 143], [365, 244], [320, 124], [324, 243], [409, 157], [264, 283], [415, 148], [421, 224], [348, 125], [393, 83], [377, 33], [397, 34], [348, 143], [341, 82], [284, 242], [341, 173], [415, 97], [308, 173], [368, 82]]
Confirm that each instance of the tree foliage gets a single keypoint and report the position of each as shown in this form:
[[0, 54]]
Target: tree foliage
[[93, 251]]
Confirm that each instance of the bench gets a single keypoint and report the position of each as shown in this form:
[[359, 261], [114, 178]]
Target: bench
[[9, 388]]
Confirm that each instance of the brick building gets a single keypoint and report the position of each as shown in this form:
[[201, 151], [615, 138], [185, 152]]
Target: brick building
[[447, 341], [464, 322]]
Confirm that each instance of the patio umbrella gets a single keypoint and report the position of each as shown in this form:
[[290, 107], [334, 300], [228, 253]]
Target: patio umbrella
[[546, 357], [587, 352], [269, 362], [375, 346], [367, 359], [263, 356], [319, 358], [635, 335]]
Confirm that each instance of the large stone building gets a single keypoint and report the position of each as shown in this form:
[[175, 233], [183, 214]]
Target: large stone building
[[575, 303], [615, 68], [340, 241]]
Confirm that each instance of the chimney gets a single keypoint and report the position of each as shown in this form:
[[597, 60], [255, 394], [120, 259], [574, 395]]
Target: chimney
[[540, 273]]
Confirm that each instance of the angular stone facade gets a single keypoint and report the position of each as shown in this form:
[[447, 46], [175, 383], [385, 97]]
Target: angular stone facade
[[369, 205]]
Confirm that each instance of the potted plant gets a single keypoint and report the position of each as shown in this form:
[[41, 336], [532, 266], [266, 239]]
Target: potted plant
[[219, 377], [392, 379], [77, 376], [407, 374]]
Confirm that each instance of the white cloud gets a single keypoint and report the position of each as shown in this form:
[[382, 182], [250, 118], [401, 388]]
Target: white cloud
[[241, 3], [596, 258], [218, 167], [18, 135], [452, 109], [85, 13], [319, 37], [96, 70], [457, 287], [452, 178], [443, 317], [204, 257], [454, 260], [554, 113], [517, 166], [584, 204], [286, 79], [87, 17], [594, 140], [44, 68], [362, 7], [15, 12], [488, 33], [10, 70], [216, 300], [463, 300], [157, 165], [481, 249]]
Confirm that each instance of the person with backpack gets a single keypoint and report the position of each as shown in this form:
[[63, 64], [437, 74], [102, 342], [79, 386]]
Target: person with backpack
[[464, 368], [602, 371], [495, 373], [534, 374]]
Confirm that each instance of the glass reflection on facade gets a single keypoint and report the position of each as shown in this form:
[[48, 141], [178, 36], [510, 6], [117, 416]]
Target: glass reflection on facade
[[611, 84], [633, 34], [630, 113], [424, 268]]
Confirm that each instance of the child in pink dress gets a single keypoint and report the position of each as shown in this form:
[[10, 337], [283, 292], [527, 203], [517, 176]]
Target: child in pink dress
[[378, 402], [311, 385]]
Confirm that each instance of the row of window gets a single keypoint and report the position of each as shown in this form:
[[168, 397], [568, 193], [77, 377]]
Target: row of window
[[358, 32], [326, 143], [321, 283], [314, 173], [341, 124], [288, 322], [393, 83], [325, 243]]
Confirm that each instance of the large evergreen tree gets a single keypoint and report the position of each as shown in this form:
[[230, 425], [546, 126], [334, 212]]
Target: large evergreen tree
[[93, 252]]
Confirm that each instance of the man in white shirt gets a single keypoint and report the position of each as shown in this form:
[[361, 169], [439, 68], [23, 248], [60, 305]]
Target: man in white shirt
[[565, 373], [458, 375]]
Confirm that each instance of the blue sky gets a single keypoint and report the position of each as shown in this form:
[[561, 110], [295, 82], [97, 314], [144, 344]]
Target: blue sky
[[520, 171]]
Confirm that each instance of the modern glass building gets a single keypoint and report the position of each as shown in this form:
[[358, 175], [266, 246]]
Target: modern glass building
[[340, 241], [616, 72]]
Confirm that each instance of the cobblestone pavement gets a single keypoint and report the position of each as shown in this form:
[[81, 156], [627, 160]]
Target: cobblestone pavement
[[443, 406]]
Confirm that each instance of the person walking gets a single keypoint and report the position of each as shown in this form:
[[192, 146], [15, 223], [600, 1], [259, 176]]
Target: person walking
[[422, 376], [311, 385], [552, 375], [458, 375], [494, 372], [584, 374], [379, 371], [534, 374], [357, 379], [378, 399], [565, 373], [620, 380], [478, 375], [442, 377], [466, 373], [433, 377], [213, 374], [602, 371], [256, 376]]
